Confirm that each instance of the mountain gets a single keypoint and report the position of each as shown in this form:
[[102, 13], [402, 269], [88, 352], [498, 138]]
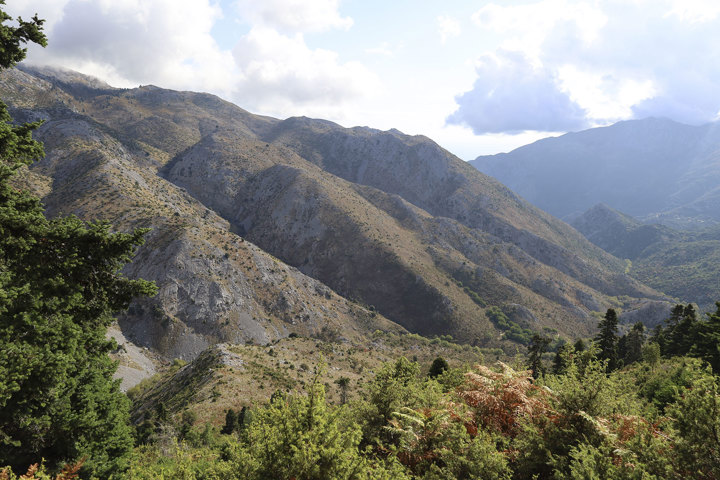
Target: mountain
[[653, 169], [620, 234], [263, 227], [214, 286], [685, 265]]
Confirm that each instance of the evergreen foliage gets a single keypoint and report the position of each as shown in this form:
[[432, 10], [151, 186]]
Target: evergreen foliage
[[231, 422], [301, 437], [344, 384], [630, 345], [607, 339], [563, 358], [640, 422], [538, 346], [707, 344], [686, 335], [696, 419], [438, 366], [59, 286]]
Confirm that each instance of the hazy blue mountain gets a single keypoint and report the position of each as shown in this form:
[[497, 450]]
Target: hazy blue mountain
[[653, 169]]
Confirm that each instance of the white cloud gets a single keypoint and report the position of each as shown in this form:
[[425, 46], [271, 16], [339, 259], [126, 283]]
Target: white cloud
[[613, 59], [694, 11], [49, 10], [278, 72], [294, 15], [383, 49], [511, 94], [526, 26], [605, 97], [132, 41], [448, 27], [169, 43]]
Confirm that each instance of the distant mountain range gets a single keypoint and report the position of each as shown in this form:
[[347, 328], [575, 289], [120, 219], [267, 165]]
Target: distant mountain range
[[643, 190], [264, 227], [655, 170]]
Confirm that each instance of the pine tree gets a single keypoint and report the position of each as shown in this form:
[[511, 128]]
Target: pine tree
[[231, 422], [632, 351], [607, 339], [59, 286], [659, 337], [563, 359], [344, 384], [538, 346], [671, 335]]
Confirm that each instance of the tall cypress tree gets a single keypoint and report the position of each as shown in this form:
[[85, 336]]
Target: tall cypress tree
[[607, 339], [59, 286]]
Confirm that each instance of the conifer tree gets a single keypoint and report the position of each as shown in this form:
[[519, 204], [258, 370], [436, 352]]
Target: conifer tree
[[538, 346], [632, 348], [708, 342], [231, 422], [563, 359], [438, 366], [59, 285], [607, 339]]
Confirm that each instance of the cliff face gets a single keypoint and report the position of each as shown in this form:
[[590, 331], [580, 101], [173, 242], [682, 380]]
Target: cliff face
[[258, 222]]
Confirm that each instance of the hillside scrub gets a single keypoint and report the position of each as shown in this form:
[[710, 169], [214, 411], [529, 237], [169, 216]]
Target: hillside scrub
[[497, 423]]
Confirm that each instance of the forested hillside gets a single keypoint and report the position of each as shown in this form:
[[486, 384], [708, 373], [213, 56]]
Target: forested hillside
[[683, 264]]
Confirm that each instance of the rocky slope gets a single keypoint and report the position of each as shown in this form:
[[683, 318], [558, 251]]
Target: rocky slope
[[391, 221], [653, 169], [214, 286]]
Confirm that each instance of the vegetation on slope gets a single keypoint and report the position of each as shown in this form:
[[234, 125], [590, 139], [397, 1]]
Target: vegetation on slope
[[684, 264], [60, 283]]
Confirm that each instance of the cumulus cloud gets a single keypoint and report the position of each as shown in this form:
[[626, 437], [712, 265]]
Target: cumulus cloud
[[279, 73], [601, 62], [512, 95], [668, 46], [277, 69], [169, 43], [132, 41], [448, 27], [294, 15], [525, 26]]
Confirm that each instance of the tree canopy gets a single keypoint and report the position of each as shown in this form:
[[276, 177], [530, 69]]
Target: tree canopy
[[60, 283]]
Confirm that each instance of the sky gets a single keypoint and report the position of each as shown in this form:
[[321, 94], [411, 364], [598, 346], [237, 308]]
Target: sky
[[478, 77]]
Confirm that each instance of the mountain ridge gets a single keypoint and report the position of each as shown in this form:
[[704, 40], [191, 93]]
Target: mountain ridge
[[393, 222], [652, 169]]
